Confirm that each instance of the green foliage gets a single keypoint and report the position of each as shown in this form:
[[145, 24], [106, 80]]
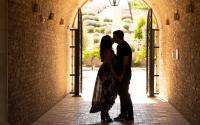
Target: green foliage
[[90, 17], [96, 30], [140, 57], [142, 52], [95, 52], [107, 20], [101, 8], [89, 13], [96, 40], [132, 48], [88, 55], [102, 29], [126, 26], [90, 29], [136, 63], [141, 22], [138, 4], [127, 20], [92, 23], [126, 17], [106, 23], [138, 34], [96, 35]]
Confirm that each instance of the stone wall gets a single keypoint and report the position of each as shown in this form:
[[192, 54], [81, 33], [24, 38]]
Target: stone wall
[[183, 77], [179, 77], [38, 57]]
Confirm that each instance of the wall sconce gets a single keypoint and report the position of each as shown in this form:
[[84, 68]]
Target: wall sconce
[[51, 16], [35, 7], [177, 54], [42, 19], [114, 2], [190, 7], [176, 15], [61, 21], [167, 22]]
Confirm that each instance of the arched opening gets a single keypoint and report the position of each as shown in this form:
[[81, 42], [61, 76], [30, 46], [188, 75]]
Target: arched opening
[[94, 23]]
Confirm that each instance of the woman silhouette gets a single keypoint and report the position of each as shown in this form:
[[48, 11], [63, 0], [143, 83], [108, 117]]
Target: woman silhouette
[[105, 92]]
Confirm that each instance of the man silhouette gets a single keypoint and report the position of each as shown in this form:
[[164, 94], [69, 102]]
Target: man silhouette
[[123, 73]]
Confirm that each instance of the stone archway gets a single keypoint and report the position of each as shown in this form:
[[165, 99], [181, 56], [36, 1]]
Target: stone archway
[[32, 36]]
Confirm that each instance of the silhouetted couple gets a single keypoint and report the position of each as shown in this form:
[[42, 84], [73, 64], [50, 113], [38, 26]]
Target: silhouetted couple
[[113, 78]]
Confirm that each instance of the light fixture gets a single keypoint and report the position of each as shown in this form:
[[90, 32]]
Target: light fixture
[[176, 15], [51, 16], [167, 22], [61, 21], [42, 19], [190, 7], [114, 2], [35, 7]]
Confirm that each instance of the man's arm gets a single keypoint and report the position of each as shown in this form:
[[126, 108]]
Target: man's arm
[[125, 66]]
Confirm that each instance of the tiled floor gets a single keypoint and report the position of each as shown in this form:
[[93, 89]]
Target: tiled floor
[[147, 111], [75, 111]]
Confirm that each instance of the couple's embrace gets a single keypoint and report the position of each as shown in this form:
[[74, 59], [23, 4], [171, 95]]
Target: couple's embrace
[[113, 78]]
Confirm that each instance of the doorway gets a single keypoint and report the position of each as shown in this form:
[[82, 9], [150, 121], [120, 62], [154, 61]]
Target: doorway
[[90, 61]]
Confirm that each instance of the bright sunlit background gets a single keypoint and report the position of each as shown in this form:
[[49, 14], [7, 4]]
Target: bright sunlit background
[[100, 18]]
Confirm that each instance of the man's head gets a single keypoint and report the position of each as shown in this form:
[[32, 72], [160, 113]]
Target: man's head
[[118, 36]]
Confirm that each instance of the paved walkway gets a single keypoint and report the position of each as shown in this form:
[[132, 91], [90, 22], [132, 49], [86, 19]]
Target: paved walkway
[[147, 111], [75, 111]]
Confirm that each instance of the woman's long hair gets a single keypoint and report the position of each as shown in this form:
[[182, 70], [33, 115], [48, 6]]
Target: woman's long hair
[[106, 43]]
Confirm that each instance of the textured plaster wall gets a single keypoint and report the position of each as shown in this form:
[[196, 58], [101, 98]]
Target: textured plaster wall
[[179, 78], [38, 57]]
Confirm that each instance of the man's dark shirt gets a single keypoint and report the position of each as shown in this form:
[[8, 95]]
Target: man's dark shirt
[[124, 49]]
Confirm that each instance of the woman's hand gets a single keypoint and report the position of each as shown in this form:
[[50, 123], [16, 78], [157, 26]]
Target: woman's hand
[[120, 78]]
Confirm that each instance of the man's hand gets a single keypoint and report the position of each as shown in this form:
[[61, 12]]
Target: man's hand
[[120, 78]]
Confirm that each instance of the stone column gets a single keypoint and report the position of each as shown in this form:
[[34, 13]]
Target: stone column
[[3, 62]]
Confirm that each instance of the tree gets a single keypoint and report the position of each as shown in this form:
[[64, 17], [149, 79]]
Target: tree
[[138, 34]]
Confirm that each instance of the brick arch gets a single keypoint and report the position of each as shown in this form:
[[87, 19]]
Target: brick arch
[[40, 75]]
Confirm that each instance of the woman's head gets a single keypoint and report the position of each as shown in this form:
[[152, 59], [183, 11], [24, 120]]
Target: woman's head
[[106, 43]]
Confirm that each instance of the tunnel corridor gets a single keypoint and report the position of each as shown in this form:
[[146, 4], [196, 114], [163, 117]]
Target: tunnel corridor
[[35, 64]]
